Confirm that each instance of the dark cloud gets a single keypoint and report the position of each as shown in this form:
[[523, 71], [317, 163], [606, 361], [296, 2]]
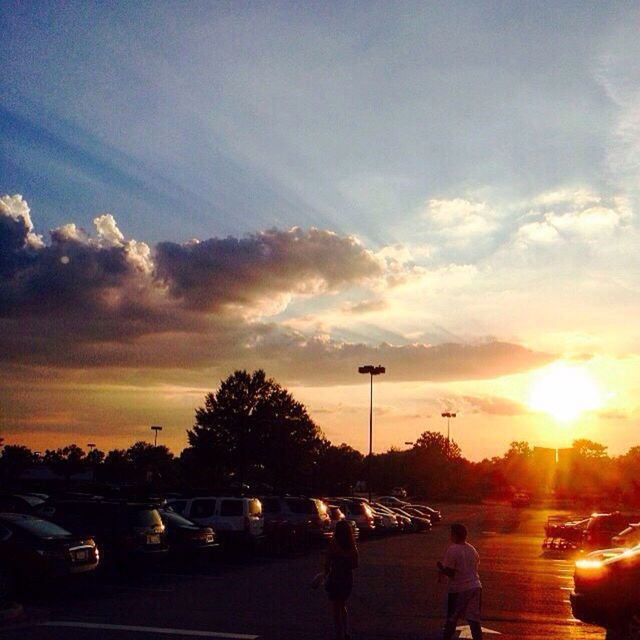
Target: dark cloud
[[98, 301], [243, 271]]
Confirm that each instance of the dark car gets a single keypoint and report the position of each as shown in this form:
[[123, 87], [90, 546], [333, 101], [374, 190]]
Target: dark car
[[308, 517], [602, 527], [184, 536], [607, 592], [33, 550], [122, 530]]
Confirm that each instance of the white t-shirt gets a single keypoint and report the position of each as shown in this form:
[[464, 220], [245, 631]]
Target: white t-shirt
[[464, 559]]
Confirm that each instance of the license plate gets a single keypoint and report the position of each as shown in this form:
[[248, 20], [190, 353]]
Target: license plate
[[153, 539], [82, 556], [209, 538]]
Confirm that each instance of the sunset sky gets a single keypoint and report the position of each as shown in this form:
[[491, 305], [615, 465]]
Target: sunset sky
[[447, 189]]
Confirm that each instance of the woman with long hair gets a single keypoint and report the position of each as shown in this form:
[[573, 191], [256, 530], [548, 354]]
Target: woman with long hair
[[342, 559]]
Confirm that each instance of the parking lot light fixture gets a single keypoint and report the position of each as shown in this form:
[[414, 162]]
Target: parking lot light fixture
[[448, 415], [372, 371], [156, 428]]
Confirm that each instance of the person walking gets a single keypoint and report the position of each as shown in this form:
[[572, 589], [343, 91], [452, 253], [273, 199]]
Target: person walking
[[341, 560], [460, 565]]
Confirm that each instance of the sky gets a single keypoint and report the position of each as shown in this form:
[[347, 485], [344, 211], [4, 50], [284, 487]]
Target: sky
[[447, 189]]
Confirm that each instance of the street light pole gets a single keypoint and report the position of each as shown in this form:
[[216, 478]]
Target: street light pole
[[156, 428], [372, 371], [448, 415]]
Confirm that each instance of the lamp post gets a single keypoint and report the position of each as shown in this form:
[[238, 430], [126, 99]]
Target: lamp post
[[448, 415], [156, 428], [91, 445], [372, 371]]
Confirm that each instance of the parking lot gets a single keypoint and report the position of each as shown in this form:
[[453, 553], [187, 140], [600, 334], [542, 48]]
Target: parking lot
[[396, 594]]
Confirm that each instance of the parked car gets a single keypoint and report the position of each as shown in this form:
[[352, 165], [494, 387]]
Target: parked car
[[335, 515], [418, 523], [520, 500], [629, 537], [235, 520], [19, 503], [391, 501], [607, 592], [33, 550], [433, 514], [184, 536], [603, 526], [390, 520], [360, 512], [307, 515], [123, 530]]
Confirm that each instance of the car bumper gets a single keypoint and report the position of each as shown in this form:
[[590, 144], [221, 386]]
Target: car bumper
[[593, 609]]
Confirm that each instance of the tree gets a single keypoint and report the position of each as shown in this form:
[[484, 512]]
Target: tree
[[16, 459], [338, 469], [436, 465], [150, 463], [66, 461], [585, 448], [252, 429]]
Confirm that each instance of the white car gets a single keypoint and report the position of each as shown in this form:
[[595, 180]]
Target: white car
[[232, 519]]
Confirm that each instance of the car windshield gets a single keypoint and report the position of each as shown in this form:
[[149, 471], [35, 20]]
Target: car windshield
[[41, 528], [302, 506], [143, 517], [176, 519], [32, 501]]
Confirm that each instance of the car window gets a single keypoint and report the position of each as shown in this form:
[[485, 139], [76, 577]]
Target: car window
[[270, 505], [42, 528], [202, 508], [232, 508], [302, 506], [143, 517], [176, 519], [178, 505]]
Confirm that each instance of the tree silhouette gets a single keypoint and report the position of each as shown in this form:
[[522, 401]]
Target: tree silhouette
[[15, 459], [254, 430]]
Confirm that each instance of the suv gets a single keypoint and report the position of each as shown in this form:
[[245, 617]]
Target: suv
[[603, 526], [122, 530], [308, 513], [607, 592], [232, 519]]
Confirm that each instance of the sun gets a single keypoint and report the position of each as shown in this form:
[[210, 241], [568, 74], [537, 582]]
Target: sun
[[565, 392]]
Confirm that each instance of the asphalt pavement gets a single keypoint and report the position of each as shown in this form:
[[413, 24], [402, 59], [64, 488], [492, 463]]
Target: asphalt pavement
[[396, 594]]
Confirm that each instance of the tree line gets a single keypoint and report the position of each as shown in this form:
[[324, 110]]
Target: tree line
[[252, 435]]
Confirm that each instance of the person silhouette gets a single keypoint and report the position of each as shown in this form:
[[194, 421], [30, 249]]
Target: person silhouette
[[460, 565], [341, 560]]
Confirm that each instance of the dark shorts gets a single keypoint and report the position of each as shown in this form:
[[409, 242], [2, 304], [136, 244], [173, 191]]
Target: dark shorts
[[339, 590]]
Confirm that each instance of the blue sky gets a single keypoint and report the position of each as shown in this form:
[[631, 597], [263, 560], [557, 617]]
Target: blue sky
[[212, 118], [473, 166]]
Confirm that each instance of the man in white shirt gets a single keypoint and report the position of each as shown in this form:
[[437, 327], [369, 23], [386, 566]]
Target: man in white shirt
[[460, 565]]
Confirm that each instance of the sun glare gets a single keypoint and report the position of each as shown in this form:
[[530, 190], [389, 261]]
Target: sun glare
[[565, 392]]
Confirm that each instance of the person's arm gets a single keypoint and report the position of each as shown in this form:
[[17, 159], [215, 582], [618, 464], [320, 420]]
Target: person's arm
[[447, 571], [448, 567]]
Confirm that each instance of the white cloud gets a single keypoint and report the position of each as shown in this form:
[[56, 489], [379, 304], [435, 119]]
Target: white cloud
[[459, 218]]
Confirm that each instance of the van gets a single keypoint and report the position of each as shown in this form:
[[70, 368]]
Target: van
[[233, 519]]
